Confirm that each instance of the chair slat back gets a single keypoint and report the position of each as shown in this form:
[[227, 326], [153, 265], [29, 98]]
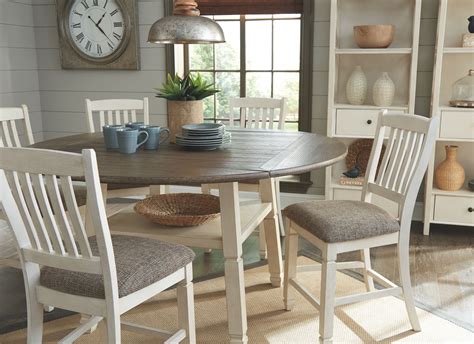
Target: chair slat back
[[116, 111], [49, 227], [263, 113], [9, 131], [398, 175]]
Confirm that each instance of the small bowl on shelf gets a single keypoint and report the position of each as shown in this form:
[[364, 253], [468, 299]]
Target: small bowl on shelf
[[374, 36], [470, 184]]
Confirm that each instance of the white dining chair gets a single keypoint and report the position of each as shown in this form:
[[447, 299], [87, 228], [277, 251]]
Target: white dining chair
[[258, 113], [103, 276], [120, 112], [343, 226], [15, 131]]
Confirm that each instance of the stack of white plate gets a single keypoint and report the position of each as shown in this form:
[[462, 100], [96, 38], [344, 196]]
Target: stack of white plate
[[204, 136]]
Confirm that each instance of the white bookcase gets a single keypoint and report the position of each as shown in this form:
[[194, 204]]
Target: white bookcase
[[452, 62], [351, 122]]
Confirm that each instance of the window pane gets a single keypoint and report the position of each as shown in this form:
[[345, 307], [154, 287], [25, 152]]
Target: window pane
[[259, 45], [259, 85], [201, 57], [286, 54], [227, 17], [289, 15], [228, 53], [258, 16], [209, 101], [287, 85], [229, 84]]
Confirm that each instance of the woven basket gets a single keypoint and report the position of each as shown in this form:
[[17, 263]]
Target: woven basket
[[180, 209]]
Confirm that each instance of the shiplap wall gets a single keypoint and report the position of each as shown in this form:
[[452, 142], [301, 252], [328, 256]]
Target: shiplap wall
[[429, 15], [18, 67], [63, 91]]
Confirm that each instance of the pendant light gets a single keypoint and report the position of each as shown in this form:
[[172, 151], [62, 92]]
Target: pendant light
[[185, 26]]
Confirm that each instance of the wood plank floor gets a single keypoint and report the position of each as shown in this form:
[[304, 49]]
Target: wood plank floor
[[441, 267]]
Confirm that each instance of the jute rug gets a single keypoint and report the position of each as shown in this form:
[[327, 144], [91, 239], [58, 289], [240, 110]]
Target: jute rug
[[383, 320]]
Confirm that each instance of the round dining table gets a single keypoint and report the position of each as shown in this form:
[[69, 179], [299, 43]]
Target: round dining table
[[253, 154]]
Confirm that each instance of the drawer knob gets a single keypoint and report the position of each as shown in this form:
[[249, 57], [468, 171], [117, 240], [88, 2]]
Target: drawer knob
[[470, 209], [369, 121]]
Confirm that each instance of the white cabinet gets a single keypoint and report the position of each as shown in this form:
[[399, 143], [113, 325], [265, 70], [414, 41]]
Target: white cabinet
[[457, 125], [454, 209], [358, 123], [452, 62], [400, 60]]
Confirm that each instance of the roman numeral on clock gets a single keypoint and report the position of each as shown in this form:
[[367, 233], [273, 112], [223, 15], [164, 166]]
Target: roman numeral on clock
[[95, 2], [106, 1], [80, 37], [76, 26], [88, 45], [118, 24], [99, 49], [111, 46], [114, 12], [85, 4], [117, 36], [79, 14]]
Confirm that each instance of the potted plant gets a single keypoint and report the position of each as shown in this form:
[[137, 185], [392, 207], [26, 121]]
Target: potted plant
[[185, 105]]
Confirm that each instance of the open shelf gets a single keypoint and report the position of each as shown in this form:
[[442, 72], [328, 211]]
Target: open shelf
[[397, 66], [458, 50], [456, 22], [358, 51], [371, 107], [464, 192], [209, 235], [369, 12]]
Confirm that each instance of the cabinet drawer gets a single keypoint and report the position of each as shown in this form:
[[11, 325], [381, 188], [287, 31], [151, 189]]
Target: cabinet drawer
[[454, 209], [355, 195], [457, 125], [355, 122]]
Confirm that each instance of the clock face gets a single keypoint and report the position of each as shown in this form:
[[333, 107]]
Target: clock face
[[97, 27]]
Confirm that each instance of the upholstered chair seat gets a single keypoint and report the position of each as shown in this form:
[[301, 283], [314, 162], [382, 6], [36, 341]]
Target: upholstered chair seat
[[338, 221], [140, 262]]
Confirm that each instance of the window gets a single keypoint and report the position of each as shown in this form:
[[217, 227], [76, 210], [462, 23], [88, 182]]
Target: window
[[261, 58]]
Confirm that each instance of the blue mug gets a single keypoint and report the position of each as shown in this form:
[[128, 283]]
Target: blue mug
[[154, 135], [135, 125], [110, 135], [128, 140]]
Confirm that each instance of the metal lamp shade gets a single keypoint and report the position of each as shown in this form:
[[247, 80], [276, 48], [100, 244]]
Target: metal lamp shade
[[185, 30]]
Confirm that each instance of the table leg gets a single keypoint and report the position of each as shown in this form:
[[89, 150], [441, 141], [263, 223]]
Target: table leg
[[234, 265], [272, 232]]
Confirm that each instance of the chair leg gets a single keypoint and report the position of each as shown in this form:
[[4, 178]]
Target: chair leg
[[404, 268], [328, 293], [278, 203], [185, 294], [262, 242], [369, 281], [291, 255], [34, 308], [112, 322]]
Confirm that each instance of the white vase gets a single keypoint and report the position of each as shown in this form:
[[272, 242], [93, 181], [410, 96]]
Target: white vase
[[356, 87], [383, 91]]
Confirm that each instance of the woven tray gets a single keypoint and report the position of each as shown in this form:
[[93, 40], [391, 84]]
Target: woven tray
[[180, 209]]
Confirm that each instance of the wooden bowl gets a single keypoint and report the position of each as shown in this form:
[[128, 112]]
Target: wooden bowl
[[374, 36], [180, 209]]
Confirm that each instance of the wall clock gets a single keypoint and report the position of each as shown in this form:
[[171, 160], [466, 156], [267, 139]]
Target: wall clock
[[98, 34]]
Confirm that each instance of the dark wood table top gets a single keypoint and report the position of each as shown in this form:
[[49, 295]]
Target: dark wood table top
[[253, 154]]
